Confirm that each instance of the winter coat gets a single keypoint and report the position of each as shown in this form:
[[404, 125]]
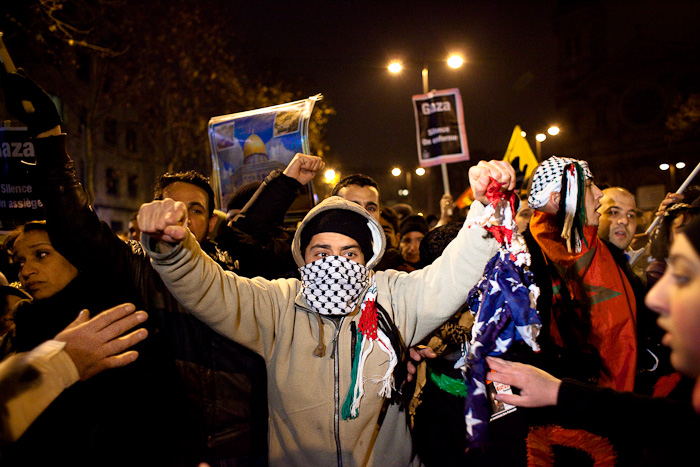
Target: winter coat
[[305, 392], [656, 431]]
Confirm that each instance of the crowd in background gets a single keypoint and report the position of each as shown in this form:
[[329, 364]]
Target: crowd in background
[[151, 383]]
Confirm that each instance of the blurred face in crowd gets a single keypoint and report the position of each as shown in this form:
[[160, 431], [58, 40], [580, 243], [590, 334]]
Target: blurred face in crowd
[[410, 246], [522, 218], [618, 218], [366, 196], [42, 270], [676, 297], [133, 229], [197, 203], [389, 231], [591, 201], [333, 244]]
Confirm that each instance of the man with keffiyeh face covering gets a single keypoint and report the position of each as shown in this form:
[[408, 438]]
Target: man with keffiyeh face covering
[[333, 339]]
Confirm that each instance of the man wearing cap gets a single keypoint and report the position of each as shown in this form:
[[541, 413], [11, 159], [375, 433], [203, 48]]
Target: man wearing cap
[[589, 330], [332, 340]]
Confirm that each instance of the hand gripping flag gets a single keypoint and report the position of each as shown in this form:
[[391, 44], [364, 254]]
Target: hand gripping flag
[[504, 305]]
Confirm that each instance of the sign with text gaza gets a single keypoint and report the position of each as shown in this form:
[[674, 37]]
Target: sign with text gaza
[[19, 199], [440, 129]]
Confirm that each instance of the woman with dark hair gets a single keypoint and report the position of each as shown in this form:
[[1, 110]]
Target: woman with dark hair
[[123, 411], [674, 218]]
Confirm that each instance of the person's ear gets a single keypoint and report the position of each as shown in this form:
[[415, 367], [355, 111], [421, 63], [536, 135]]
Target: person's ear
[[554, 199], [212, 222]]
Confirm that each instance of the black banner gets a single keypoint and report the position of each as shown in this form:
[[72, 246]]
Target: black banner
[[19, 199]]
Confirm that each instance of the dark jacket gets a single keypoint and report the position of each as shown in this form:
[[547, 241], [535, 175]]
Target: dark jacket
[[256, 241], [119, 417], [225, 381], [661, 431]]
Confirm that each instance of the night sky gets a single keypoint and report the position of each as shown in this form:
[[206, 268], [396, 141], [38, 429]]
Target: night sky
[[341, 49]]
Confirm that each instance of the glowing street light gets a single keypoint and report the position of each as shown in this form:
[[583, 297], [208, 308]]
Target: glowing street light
[[540, 137], [395, 67], [330, 178], [672, 170], [396, 171], [455, 61]]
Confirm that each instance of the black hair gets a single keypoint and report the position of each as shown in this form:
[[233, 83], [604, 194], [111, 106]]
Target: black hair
[[193, 178], [661, 241], [390, 216], [30, 226], [354, 179], [436, 240]]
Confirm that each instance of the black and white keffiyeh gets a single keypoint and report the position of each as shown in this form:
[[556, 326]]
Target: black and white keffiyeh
[[332, 285], [566, 176], [547, 179]]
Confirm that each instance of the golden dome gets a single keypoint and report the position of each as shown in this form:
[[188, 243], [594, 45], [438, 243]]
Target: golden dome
[[254, 145]]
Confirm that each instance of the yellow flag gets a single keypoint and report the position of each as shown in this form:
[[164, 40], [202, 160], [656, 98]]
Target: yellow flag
[[520, 156]]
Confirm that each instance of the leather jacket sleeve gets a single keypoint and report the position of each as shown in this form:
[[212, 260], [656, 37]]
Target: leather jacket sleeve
[[256, 238], [75, 230]]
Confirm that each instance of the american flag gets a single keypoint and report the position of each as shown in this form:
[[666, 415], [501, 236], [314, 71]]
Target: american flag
[[504, 305]]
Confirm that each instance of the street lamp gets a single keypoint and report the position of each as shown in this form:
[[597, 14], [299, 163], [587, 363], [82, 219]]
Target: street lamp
[[672, 170], [396, 171], [329, 176], [330, 179], [540, 137], [454, 61]]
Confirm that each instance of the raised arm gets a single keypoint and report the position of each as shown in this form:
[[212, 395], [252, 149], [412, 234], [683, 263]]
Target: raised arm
[[241, 309], [426, 298], [267, 207]]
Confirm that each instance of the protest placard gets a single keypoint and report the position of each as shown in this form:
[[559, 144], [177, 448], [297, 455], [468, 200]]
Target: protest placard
[[19, 199], [440, 131]]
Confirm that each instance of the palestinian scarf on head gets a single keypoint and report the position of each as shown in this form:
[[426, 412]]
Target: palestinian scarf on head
[[332, 285], [567, 176]]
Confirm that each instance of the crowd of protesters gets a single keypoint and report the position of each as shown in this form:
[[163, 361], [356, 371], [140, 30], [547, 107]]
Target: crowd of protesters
[[225, 338]]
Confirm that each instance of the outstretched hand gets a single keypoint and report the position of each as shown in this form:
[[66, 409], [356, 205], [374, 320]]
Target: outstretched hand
[[304, 167], [481, 174], [98, 344], [18, 87], [537, 388], [164, 220]]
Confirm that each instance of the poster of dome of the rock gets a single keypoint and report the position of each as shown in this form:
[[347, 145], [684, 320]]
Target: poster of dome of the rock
[[247, 146]]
